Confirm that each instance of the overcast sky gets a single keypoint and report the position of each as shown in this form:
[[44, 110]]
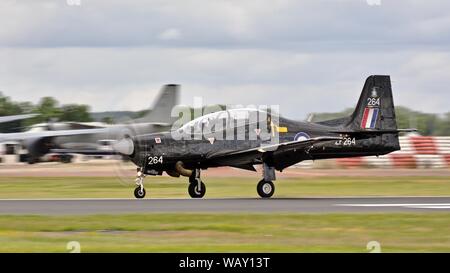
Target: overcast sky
[[306, 56]]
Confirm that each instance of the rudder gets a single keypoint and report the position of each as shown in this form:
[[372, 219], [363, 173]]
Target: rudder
[[375, 109]]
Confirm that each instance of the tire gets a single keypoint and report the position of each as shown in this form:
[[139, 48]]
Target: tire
[[138, 193], [32, 160], [66, 159], [194, 192], [265, 189]]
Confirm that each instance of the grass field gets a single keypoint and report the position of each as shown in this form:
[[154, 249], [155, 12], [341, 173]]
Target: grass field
[[164, 187], [396, 232], [227, 233]]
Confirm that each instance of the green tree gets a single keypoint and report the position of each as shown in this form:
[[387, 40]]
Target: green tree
[[427, 124], [108, 120], [75, 112], [26, 107], [8, 107], [141, 114], [444, 125], [48, 108]]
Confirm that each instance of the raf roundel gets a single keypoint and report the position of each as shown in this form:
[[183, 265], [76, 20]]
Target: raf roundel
[[301, 136]]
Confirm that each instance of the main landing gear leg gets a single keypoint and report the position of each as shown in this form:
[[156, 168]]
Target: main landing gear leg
[[265, 187], [139, 192], [197, 188]]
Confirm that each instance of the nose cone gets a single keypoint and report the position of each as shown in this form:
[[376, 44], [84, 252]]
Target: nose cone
[[124, 146]]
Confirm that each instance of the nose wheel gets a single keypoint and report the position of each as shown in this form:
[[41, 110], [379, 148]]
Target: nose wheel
[[139, 193], [196, 188]]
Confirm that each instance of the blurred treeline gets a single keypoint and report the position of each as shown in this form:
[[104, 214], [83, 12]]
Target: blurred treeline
[[51, 110], [48, 108]]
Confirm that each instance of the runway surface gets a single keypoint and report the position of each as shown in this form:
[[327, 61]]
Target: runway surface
[[115, 168], [291, 205]]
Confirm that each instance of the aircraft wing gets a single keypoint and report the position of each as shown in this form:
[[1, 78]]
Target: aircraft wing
[[45, 134], [83, 125], [246, 156], [18, 117], [161, 124]]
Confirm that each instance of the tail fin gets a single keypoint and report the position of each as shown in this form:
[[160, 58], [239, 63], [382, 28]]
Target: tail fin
[[375, 109], [162, 108]]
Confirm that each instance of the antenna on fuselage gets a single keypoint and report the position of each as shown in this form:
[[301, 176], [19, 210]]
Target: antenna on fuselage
[[310, 117]]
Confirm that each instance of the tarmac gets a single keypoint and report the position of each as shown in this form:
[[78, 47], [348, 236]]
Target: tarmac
[[232, 205]]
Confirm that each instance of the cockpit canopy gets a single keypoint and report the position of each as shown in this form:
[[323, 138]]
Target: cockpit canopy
[[227, 119]]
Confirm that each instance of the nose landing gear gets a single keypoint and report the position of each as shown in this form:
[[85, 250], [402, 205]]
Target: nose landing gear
[[139, 192]]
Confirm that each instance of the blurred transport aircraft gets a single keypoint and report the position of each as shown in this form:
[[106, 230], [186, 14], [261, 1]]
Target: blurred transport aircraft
[[92, 138]]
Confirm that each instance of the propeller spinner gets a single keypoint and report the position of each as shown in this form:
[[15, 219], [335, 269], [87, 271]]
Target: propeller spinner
[[124, 146]]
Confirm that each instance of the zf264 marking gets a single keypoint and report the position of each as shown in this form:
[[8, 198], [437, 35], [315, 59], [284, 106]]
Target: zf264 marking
[[348, 141], [155, 160]]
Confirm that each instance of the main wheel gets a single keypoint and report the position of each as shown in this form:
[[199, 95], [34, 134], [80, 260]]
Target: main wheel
[[32, 160], [265, 189], [138, 193], [66, 159], [195, 192]]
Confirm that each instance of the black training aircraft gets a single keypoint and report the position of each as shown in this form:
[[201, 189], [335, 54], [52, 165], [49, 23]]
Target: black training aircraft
[[243, 138]]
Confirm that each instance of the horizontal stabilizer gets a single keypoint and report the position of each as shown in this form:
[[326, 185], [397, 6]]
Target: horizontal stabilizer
[[374, 132]]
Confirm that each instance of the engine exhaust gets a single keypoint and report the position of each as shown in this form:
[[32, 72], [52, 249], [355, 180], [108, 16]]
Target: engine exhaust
[[173, 173], [179, 167]]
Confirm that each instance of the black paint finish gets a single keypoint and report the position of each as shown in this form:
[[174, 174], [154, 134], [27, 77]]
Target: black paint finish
[[353, 136]]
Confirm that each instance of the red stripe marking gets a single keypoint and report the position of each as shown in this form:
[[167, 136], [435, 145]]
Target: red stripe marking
[[365, 116]]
